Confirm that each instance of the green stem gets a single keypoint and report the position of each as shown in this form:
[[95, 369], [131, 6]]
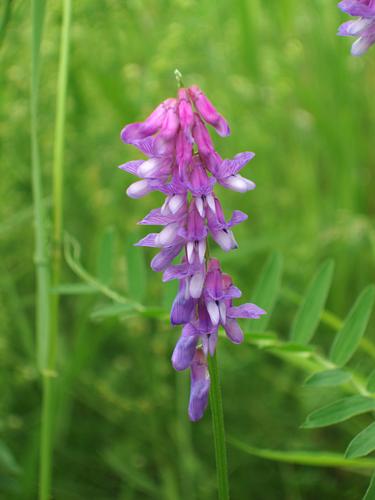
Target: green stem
[[41, 255], [49, 368], [58, 171], [218, 430]]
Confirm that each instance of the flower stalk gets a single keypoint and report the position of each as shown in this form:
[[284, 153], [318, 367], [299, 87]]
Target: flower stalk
[[218, 430]]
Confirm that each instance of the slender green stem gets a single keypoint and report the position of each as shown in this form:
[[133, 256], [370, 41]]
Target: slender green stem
[[41, 254], [58, 171], [218, 430], [49, 371]]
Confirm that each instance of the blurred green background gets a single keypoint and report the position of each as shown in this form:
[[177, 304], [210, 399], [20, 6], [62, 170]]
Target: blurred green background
[[293, 94]]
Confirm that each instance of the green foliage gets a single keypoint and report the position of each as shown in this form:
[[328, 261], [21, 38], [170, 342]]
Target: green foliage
[[339, 411], [121, 428], [348, 338], [371, 382], [328, 378], [314, 459], [370, 493], [363, 443], [308, 315], [267, 290]]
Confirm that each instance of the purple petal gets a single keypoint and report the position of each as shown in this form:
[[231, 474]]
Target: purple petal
[[209, 112], [148, 241], [358, 8], [237, 218], [233, 331], [184, 351], [245, 311], [131, 166], [237, 183], [233, 166], [182, 308], [179, 271], [162, 260], [361, 45], [209, 343], [154, 218], [200, 386]]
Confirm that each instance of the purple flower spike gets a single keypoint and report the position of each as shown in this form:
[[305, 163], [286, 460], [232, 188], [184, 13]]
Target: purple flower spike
[[363, 28], [182, 164]]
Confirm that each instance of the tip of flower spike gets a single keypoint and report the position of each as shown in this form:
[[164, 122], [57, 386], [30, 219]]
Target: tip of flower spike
[[178, 76]]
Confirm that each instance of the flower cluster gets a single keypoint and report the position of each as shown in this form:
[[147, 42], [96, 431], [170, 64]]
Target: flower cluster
[[182, 163], [363, 27]]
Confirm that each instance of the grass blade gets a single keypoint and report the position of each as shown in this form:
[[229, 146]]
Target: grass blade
[[339, 411], [308, 315], [348, 338]]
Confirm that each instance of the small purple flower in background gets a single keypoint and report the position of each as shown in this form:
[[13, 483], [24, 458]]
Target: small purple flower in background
[[363, 28], [182, 163]]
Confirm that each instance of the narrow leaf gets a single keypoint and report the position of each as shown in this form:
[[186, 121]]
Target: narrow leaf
[[370, 493], [339, 411], [363, 443], [266, 291], [371, 382], [105, 256], [328, 378], [308, 314], [313, 458], [348, 338]]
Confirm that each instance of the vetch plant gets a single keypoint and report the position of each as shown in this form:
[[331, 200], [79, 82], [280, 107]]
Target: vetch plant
[[363, 28], [183, 164]]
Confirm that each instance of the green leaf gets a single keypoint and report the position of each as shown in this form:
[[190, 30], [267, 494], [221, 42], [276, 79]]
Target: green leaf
[[339, 411], [370, 493], [363, 443], [371, 382], [136, 270], [110, 311], [308, 314], [73, 289], [105, 257], [348, 338], [328, 378], [313, 458], [266, 291]]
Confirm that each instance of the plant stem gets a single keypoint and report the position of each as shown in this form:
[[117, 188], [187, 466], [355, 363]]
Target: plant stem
[[218, 429], [58, 171], [49, 369], [41, 255]]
